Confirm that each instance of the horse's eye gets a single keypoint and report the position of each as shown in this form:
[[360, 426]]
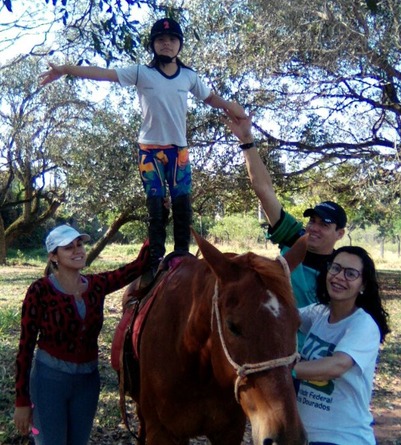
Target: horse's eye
[[235, 329]]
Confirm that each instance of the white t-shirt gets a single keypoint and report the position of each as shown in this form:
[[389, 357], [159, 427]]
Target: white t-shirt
[[337, 411], [163, 101]]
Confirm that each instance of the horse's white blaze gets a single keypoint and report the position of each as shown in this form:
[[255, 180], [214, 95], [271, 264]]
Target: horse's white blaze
[[262, 426], [272, 304]]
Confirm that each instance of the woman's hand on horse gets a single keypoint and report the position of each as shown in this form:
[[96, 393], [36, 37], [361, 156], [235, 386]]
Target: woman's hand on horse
[[144, 254]]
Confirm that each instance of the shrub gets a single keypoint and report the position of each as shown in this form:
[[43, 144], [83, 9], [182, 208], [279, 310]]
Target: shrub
[[242, 229]]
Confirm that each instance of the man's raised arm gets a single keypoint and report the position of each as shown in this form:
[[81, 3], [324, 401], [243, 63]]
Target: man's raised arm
[[258, 174]]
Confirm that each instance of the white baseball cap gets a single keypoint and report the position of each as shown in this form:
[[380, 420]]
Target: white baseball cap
[[62, 236]]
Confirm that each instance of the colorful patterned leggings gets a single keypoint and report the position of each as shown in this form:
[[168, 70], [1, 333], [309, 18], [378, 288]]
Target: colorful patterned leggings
[[161, 166]]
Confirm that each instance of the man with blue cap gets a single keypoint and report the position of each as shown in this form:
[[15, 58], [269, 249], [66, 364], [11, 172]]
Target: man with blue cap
[[325, 227]]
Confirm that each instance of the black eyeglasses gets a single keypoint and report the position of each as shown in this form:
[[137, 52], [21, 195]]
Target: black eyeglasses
[[350, 274]]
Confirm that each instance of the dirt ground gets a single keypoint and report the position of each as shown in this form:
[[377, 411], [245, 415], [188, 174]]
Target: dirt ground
[[388, 424], [386, 405], [387, 430]]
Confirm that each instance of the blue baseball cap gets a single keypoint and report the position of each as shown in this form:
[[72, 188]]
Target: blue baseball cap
[[330, 212]]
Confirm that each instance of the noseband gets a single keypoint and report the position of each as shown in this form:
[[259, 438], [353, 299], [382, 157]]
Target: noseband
[[247, 368]]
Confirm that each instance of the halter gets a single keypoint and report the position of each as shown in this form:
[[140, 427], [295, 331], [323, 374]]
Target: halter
[[247, 368]]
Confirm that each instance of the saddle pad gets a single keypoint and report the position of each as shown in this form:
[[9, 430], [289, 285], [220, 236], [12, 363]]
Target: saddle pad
[[133, 318], [138, 322], [172, 261], [119, 337]]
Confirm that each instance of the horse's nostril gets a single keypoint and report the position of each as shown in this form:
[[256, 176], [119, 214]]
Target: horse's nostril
[[267, 442]]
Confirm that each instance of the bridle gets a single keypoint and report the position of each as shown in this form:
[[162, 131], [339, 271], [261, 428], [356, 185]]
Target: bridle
[[247, 368]]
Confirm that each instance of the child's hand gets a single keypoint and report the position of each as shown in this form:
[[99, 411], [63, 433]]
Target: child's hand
[[144, 254], [54, 73], [234, 111], [242, 128]]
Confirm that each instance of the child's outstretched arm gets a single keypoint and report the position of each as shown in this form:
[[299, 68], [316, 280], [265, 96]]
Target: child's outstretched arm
[[84, 72], [232, 109]]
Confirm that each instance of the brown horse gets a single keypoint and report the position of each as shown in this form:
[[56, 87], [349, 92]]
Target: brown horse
[[217, 347]]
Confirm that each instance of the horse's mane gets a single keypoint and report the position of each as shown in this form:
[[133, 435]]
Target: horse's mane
[[271, 272]]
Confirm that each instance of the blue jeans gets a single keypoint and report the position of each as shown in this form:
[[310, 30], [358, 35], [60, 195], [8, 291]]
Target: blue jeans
[[64, 405]]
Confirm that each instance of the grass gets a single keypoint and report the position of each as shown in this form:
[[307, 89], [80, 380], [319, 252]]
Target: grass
[[24, 269]]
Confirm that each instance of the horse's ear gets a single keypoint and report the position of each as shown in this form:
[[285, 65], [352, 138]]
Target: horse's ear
[[217, 261], [297, 253]]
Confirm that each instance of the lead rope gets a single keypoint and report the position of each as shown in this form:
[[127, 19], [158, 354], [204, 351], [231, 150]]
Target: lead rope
[[248, 368]]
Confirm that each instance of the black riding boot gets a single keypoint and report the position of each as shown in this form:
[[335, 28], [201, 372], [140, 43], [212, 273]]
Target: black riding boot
[[156, 230], [182, 218]]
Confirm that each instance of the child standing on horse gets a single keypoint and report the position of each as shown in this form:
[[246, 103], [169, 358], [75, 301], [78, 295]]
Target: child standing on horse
[[163, 88]]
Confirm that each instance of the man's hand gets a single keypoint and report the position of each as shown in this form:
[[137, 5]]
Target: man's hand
[[242, 128], [235, 112]]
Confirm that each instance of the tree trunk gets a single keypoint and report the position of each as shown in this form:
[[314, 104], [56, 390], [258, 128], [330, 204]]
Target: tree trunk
[[23, 226], [115, 226], [3, 248]]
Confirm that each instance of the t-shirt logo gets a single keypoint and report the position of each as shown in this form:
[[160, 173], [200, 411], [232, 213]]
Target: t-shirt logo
[[325, 386], [315, 347]]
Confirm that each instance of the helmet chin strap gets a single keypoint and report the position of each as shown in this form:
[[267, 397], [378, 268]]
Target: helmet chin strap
[[165, 59]]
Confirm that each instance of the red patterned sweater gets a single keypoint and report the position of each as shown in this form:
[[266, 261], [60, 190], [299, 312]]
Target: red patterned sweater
[[52, 316]]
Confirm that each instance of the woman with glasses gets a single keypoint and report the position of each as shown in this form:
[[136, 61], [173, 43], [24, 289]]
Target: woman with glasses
[[343, 336]]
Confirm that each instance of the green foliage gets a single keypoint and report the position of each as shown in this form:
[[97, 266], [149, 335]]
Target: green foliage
[[31, 257], [9, 320], [134, 231], [9, 333], [242, 229], [203, 224], [328, 129], [37, 126], [32, 240]]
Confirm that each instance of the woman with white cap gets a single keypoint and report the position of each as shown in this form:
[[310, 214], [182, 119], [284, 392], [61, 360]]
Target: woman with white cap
[[57, 388]]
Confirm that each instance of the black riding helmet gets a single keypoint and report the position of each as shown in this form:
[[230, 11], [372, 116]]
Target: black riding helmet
[[166, 26]]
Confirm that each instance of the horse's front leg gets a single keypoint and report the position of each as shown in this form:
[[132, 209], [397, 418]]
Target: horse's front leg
[[158, 435], [231, 436]]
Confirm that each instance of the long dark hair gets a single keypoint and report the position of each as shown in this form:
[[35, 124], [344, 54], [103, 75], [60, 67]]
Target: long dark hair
[[370, 301], [155, 63]]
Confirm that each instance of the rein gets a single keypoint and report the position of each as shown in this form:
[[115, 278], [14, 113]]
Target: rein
[[247, 368]]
